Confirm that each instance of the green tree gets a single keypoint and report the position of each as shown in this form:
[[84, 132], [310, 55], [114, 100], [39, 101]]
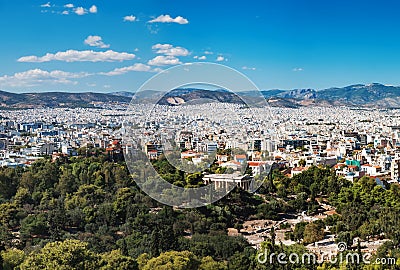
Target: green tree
[[12, 258], [114, 260], [313, 232], [194, 179], [34, 225], [242, 260], [173, 260], [208, 263], [302, 162], [8, 182], [345, 237], [69, 254], [298, 232], [8, 215]]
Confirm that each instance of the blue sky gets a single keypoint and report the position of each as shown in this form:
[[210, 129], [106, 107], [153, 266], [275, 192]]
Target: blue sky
[[107, 46]]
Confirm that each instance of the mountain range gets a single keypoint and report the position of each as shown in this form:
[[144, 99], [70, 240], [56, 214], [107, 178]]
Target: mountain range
[[370, 95], [57, 99]]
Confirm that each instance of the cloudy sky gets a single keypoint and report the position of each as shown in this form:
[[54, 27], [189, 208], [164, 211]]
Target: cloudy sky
[[107, 46]]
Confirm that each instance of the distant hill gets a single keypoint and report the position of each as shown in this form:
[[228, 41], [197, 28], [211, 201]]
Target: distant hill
[[181, 96], [370, 95], [57, 99], [299, 94], [265, 93], [360, 94]]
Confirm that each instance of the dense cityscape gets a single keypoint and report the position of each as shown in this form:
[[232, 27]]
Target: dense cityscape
[[356, 141]]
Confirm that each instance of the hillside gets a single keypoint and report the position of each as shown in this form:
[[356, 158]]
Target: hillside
[[57, 99], [370, 95], [181, 96]]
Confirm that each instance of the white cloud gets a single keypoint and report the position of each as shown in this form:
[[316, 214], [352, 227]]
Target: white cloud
[[79, 56], [93, 9], [168, 19], [46, 5], [208, 52], [96, 41], [80, 11], [129, 18], [297, 69], [203, 57], [220, 58], [248, 68], [37, 76], [135, 67], [170, 50], [162, 60]]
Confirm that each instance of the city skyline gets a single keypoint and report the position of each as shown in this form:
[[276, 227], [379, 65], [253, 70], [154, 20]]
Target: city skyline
[[79, 46]]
